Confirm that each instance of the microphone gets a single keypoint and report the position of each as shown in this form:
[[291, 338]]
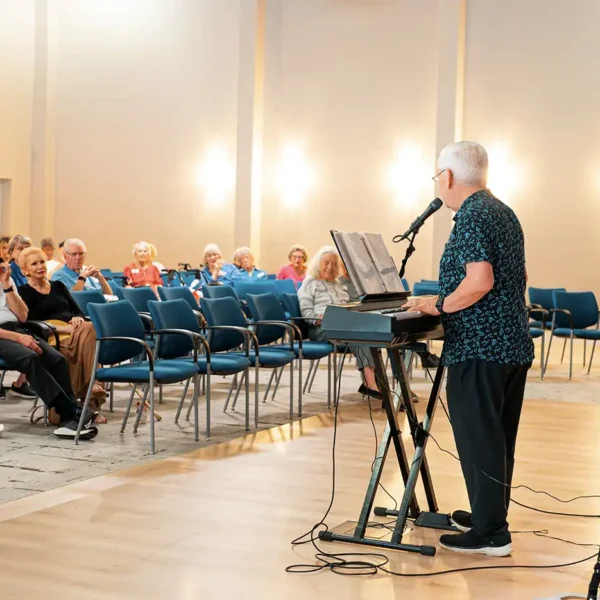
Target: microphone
[[418, 222]]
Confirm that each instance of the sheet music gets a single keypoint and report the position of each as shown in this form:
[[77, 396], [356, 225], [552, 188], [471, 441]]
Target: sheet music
[[369, 264]]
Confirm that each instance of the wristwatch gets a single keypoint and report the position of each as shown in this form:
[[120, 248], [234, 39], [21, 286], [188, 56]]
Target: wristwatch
[[439, 305], [9, 290], [81, 278]]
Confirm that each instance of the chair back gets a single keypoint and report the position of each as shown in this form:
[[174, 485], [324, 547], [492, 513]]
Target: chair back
[[84, 298], [405, 284], [117, 318], [220, 291], [175, 293], [284, 286], [223, 311], [139, 297], [107, 273], [582, 306], [266, 307], [543, 296], [431, 281], [243, 288], [425, 289], [116, 288], [291, 304], [173, 314]]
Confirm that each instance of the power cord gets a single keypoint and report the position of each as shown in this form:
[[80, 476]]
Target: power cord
[[355, 563]]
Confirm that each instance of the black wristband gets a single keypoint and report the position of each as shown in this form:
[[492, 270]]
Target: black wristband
[[9, 290], [81, 278], [439, 305]]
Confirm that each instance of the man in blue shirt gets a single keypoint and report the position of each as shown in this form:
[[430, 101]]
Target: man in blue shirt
[[75, 275], [487, 345]]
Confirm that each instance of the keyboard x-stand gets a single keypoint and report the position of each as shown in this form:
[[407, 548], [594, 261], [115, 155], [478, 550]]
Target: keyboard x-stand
[[379, 325]]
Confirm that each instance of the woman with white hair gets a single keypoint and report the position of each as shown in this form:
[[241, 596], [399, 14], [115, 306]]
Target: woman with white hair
[[17, 244], [296, 269], [243, 260], [322, 288], [215, 269], [142, 272]]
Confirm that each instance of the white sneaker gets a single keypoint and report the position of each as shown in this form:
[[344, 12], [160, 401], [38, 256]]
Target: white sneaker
[[1, 430]]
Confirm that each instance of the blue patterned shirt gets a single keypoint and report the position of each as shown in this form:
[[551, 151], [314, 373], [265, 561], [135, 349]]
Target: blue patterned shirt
[[494, 328]]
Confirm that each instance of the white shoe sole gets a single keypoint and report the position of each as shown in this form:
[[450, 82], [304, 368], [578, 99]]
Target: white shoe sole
[[499, 551], [15, 394], [69, 434], [1, 430], [459, 527]]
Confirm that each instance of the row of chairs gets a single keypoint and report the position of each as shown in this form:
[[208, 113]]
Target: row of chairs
[[565, 315], [224, 343]]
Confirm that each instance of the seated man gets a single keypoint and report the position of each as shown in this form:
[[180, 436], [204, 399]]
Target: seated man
[[75, 275], [45, 367]]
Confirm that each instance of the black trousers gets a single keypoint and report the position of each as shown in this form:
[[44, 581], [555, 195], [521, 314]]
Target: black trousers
[[485, 401], [47, 373]]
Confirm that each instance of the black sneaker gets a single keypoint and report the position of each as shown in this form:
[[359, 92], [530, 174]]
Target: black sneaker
[[430, 361], [472, 542], [68, 430], [24, 391], [461, 519]]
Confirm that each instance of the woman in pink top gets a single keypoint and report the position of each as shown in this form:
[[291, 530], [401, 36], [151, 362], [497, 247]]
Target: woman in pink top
[[296, 270], [142, 272]]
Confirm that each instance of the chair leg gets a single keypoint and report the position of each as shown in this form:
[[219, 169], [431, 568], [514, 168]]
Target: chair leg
[[542, 357], [111, 396], [335, 373], [256, 392], [269, 385], [232, 387], [128, 409], [562, 356], [291, 390], [207, 388], [196, 379], [152, 424], [237, 393], [548, 352], [314, 374], [140, 412], [571, 358], [584, 351], [300, 383], [277, 382], [247, 396], [86, 403], [329, 366], [308, 375], [591, 357], [182, 400], [160, 394]]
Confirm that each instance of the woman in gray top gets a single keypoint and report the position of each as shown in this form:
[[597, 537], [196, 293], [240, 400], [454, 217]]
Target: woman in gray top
[[322, 288]]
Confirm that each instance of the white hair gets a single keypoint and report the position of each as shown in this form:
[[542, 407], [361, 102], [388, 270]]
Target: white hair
[[211, 248], [141, 245], [315, 261], [74, 242], [239, 252], [468, 162]]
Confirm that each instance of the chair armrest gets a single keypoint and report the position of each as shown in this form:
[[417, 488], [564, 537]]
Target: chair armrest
[[285, 325], [194, 336], [142, 343], [530, 306], [46, 328], [248, 335], [536, 308], [200, 318], [563, 311], [305, 319]]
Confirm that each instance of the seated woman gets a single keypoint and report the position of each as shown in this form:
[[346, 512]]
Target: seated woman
[[17, 244], [322, 288], [141, 272], [4, 243], [215, 269], [47, 246], [245, 269], [51, 301], [296, 269]]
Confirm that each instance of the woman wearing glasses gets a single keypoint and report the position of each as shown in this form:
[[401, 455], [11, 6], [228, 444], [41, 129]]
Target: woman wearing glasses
[[296, 268]]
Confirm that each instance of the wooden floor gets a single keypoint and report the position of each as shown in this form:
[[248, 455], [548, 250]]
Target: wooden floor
[[217, 524]]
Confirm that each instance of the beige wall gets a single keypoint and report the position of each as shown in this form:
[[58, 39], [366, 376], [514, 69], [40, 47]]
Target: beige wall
[[17, 27], [531, 85]]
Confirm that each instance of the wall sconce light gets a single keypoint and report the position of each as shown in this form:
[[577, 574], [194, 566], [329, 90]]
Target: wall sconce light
[[408, 176], [505, 176], [294, 175], [216, 175]]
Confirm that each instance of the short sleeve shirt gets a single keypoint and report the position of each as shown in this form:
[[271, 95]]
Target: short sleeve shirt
[[69, 278], [496, 327]]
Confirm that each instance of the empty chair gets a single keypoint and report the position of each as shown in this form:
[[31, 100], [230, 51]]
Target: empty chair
[[425, 289], [572, 316], [431, 281], [539, 332], [86, 297], [120, 337], [541, 298], [220, 291], [175, 293], [284, 286], [116, 288], [243, 288], [139, 297], [405, 285]]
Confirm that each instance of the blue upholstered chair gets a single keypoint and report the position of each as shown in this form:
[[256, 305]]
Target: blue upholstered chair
[[228, 327], [139, 297], [266, 309], [120, 337], [220, 291], [425, 289], [284, 286], [116, 288], [405, 285], [85, 297], [431, 281], [540, 332], [573, 315], [176, 329], [243, 288], [541, 298], [176, 293]]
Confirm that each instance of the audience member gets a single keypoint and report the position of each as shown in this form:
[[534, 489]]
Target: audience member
[[4, 243], [215, 270], [47, 246], [153, 255], [45, 367], [243, 261], [141, 272], [322, 288], [296, 269], [17, 244], [75, 275], [52, 302]]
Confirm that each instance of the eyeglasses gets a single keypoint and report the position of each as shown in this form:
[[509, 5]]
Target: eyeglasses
[[436, 177], [76, 254]]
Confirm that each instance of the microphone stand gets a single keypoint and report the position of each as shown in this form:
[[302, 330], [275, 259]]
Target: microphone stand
[[409, 253], [595, 581]]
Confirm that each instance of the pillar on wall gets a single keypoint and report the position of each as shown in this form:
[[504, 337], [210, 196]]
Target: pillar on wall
[[449, 114], [250, 126], [44, 121]]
